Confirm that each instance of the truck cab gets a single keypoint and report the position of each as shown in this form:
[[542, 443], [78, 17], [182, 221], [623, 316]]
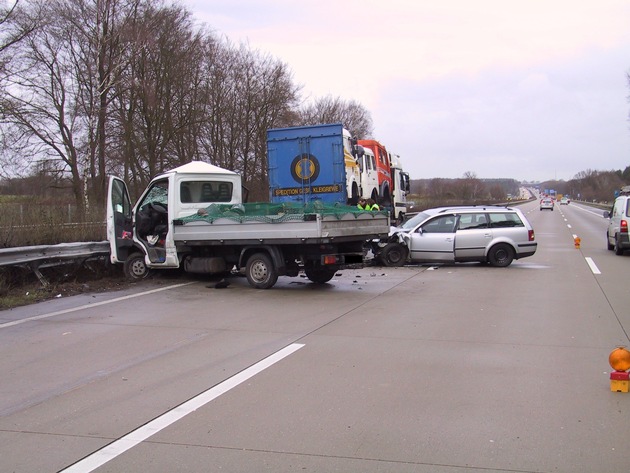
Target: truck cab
[[141, 236], [369, 174], [383, 168], [400, 189]]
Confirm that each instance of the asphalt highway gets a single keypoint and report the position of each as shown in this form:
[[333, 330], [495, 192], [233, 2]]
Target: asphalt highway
[[447, 369]]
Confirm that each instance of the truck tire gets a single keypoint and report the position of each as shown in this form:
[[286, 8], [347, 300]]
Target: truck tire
[[355, 195], [260, 271], [394, 255], [319, 275], [135, 268], [501, 255]]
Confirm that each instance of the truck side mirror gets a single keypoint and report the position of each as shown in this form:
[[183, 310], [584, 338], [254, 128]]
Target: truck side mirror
[[359, 151]]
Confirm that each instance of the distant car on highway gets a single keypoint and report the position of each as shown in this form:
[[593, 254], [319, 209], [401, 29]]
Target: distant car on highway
[[617, 237], [564, 201], [546, 203], [488, 234]]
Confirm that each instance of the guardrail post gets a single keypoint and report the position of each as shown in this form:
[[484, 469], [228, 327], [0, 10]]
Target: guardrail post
[[42, 279]]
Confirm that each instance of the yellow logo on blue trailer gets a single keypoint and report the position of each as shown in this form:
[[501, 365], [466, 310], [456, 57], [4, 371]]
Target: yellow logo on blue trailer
[[305, 167]]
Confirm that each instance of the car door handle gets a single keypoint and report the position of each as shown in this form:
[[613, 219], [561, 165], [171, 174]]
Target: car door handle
[[487, 235]]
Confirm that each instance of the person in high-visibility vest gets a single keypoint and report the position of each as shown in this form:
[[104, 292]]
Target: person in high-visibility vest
[[372, 205], [362, 204]]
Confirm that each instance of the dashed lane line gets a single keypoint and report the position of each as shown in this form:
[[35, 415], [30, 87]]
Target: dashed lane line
[[118, 447], [89, 306], [592, 265]]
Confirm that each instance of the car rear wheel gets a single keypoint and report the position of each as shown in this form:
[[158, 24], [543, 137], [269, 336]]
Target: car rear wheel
[[618, 248], [501, 255], [610, 247]]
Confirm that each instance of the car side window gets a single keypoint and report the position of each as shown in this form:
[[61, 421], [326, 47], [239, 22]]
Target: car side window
[[441, 224], [618, 208], [505, 220], [472, 221]]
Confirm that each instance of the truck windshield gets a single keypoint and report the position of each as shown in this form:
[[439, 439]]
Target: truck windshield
[[157, 194]]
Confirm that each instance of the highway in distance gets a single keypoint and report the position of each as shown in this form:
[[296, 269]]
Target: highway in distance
[[447, 369]]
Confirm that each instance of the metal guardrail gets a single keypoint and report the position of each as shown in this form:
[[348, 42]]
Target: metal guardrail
[[35, 257]]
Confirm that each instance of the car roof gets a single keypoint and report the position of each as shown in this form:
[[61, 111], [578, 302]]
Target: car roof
[[469, 208]]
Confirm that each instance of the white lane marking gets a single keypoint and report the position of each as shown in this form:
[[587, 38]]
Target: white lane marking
[[88, 306], [530, 266], [599, 213], [569, 225], [574, 236], [592, 265], [118, 447]]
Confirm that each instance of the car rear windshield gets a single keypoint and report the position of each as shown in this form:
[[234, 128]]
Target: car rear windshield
[[504, 220]]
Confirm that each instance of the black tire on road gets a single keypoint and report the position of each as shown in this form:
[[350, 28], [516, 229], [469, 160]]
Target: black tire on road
[[260, 271], [135, 268], [394, 255], [501, 255], [618, 249], [610, 247], [319, 275]]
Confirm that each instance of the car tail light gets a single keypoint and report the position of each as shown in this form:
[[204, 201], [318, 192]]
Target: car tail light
[[623, 226], [530, 233]]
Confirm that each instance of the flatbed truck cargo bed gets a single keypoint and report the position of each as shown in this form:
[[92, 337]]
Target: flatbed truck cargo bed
[[313, 228]]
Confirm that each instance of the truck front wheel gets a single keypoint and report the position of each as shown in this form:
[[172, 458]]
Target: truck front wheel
[[260, 271], [394, 254], [135, 268]]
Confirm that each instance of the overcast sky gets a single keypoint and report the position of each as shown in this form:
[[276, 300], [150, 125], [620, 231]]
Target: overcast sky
[[523, 89]]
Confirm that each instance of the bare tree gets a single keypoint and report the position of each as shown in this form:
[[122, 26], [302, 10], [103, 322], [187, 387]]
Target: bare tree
[[15, 25], [130, 86], [60, 88], [248, 93], [471, 187], [355, 118], [40, 108], [159, 107], [94, 36]]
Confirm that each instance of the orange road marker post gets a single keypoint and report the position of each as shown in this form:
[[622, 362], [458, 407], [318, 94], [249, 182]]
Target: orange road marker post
[[619, 360]]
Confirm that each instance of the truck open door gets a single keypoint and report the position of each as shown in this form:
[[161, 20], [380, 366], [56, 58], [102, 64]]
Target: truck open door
[[119, 222]]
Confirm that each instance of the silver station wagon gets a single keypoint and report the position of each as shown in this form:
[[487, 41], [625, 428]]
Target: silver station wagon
[[488, 234]]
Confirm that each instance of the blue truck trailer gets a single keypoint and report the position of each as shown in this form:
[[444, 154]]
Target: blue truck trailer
[[310, 163]]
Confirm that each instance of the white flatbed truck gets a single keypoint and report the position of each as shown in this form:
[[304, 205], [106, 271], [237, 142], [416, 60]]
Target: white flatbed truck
[[193, 218]]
